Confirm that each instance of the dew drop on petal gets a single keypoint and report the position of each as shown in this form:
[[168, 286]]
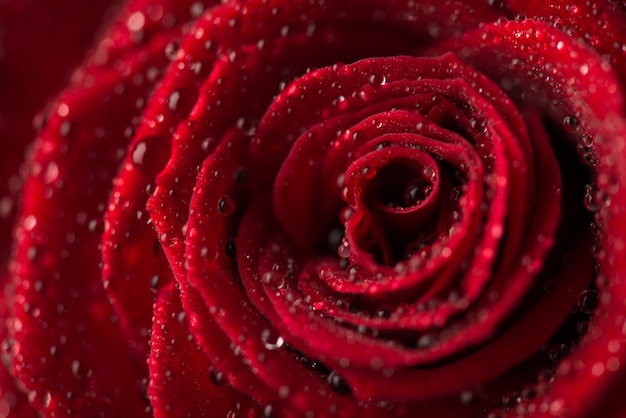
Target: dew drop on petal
[[226, 205], [415, 192], [150, 154], [136, 21], [231, 248], [335, 236], [216, 376], [557, 352], [154, 282], [359, 136], [238, 58], [273, 279], [267, 411], [65, 128], [196, 9], [582, 327], [29, 222], [588, 300], [172, 50], [587, 141], [246, 125], [271, 339], [377, 79], [344, 250], [590, 200], [338, 384], [429, 172], [478, 125], [172, 102], [571, 124], [467, 396]]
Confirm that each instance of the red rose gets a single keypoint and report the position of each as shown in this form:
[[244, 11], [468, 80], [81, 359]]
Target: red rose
[[338, 208]]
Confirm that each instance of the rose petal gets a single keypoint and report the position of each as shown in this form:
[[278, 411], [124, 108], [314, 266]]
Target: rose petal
[[66, 338], [576, 389], [181, 377]]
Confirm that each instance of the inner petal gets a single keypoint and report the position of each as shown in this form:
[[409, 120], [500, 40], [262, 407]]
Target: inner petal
[[395, 193]]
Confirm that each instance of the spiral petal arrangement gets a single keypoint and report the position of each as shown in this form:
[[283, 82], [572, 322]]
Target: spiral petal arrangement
[[339, 208]]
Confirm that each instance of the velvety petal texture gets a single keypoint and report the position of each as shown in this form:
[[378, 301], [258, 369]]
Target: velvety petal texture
[[340, 208]]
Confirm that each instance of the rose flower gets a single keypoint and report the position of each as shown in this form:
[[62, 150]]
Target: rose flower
[[294, 208]]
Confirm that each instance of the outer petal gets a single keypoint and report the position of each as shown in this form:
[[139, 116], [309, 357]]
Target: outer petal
[[23, 92], [182, 381], [549, 64], [23, 89], [69, 352]]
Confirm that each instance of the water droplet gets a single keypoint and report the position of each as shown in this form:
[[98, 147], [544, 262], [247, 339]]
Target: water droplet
[[338, 384], [571, 124], [344, 250], [338, 67], [529, 392], [136, 21], [196, 9], [181, 101], [416, 191], [340, 102], [382, 145], [29, 222], [238, 58], [239, 175], [154, 281], [428, 172], [467, 396], [172, 50], [273, 279], [583, 327], [206, 143], [377, 79], [271, 339], [590, 200], [226, 206], [231, 248], [587, 141], [283, 392], [40, 120], [216, 377], [345, 214], [359, 136], [455, 194], [384, 311], [588, 300], [341, 181], [509, 400], [79, 371], [39, 399], [557, 352], [45, 399], [246, 125], [335, 236], [65, 128], [478, 125], [151, 154]]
